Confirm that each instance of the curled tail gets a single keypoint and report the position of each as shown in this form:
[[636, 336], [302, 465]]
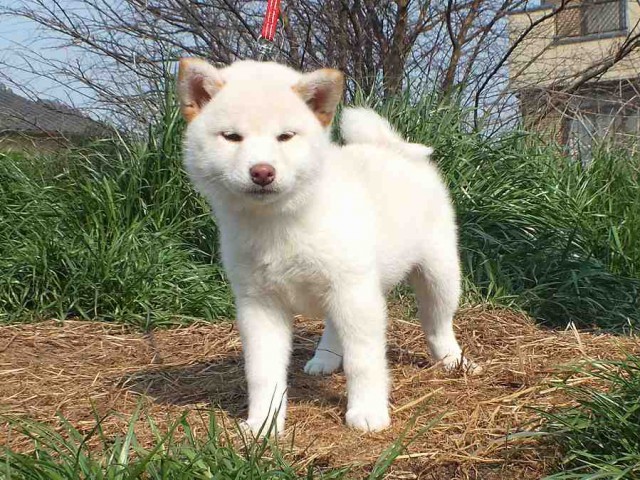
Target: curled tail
[[364, 126]]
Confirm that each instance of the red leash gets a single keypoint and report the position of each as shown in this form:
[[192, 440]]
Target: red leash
[[268, 34], [270, 21]]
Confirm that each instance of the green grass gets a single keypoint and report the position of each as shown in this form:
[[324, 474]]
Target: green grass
[[600, 437], [175, 452], [537, 230], [115, 232], [111, 232]]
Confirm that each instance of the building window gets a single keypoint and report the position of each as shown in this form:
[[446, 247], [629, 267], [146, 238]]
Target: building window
[[590, 18], [598, 120]]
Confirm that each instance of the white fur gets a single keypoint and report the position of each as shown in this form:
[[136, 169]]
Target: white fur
[[364, 126], [343, 226]]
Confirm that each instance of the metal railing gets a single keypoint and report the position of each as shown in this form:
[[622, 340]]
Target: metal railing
[[591, 18]]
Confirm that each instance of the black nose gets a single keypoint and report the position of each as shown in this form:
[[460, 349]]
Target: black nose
[[262, 174]]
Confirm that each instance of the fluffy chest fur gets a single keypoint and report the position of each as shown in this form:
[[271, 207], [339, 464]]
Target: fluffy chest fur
[[283, 261]]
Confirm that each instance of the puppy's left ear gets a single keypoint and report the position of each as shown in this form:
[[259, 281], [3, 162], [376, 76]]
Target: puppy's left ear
[[322, 91], [198, 83]]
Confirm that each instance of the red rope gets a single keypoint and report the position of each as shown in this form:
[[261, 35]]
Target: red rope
[[270, 20]]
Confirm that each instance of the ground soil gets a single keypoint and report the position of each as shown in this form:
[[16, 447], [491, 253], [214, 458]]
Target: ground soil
[[66, 366]]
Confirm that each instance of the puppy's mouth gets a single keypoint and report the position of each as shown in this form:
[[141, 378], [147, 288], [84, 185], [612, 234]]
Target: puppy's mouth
[[262, 192]]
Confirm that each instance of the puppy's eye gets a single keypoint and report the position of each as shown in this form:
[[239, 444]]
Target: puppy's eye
[[286, 136], [231, 136]]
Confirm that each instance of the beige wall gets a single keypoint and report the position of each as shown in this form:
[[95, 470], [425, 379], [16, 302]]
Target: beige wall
[[538, 62]]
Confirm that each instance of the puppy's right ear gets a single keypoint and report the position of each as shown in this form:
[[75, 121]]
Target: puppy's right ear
[[198, 82], [321, 90]]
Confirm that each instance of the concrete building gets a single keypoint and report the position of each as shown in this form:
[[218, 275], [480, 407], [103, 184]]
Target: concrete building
[[576, 70]]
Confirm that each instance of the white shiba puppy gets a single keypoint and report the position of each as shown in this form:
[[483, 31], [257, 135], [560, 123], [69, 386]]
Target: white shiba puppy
[[310, 227]]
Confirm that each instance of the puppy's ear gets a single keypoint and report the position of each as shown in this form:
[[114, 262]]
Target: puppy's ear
[[322, 91], [198, 82]]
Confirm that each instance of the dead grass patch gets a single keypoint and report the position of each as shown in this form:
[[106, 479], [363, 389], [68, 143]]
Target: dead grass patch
[[67, 366]]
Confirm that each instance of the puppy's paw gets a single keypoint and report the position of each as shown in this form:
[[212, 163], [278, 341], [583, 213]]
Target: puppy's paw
[[452, 363], [260, 428], [368, 418], [323, 363]]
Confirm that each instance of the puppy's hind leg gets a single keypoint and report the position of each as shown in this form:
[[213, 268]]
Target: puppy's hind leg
[[436, 281], [328, 356]]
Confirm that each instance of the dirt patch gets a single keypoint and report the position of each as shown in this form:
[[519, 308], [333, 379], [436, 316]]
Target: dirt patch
[[66, 366]]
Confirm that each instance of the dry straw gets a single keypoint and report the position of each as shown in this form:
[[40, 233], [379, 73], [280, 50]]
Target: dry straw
[[65, 366]]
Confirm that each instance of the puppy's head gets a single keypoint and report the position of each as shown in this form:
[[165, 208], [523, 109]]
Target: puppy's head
[[256, 130]]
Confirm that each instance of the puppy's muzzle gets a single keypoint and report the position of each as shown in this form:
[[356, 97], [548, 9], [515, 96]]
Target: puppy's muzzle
[[262, 174]]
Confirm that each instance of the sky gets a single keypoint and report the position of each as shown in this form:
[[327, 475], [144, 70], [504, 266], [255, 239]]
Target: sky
[[17, 36]]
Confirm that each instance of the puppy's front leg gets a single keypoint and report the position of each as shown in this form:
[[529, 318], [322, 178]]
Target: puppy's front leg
[[265, 329], [359, 315]]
